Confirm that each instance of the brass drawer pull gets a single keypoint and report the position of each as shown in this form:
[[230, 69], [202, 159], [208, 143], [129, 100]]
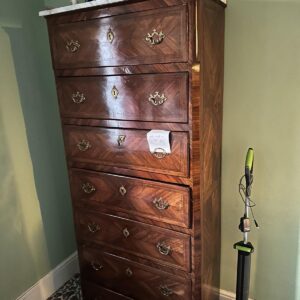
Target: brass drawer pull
[[122, 190], [93, 227], [163, 248], [126, 233], [78, 97], [160, 153], [160, 203], [114, 92], [165, 290], [72, 46], [157, 99], [121, 139], [88, 188], [128, 272], [84, 145], [110, 35], [155, 37], [96, 266]]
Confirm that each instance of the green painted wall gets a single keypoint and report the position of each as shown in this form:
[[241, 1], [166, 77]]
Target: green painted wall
[[262, 109], [35, 212]]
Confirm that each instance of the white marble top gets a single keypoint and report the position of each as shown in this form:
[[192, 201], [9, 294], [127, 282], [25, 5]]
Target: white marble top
[[80, 6], [76, 7]]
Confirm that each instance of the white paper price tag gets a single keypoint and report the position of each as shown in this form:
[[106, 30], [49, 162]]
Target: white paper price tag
[[159, 140]]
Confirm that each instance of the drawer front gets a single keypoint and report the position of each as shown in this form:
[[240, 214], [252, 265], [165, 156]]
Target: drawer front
[[151, 97], [125, 149], [142, 198], [154, 36], [147, 241], [132, 279], [93, 291]]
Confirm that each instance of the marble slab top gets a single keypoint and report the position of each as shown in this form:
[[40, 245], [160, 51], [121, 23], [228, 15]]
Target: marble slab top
[[79, 6]]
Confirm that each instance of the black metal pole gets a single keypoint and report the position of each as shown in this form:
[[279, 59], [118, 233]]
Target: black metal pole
[[243, 275]]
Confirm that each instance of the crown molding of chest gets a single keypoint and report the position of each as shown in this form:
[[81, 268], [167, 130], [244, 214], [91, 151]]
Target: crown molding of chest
[[226, 295], [51, 282]]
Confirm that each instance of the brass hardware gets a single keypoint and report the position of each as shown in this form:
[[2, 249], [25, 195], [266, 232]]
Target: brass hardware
[[196, 68], [155, 37], [126, 233], [160, 153], [165, 290], [88, 188], [128, 272], [93, 227], [72, 46], [160, 204], [78, 97], [163, 248], [122, 190], [115, 92], [96, 266], [121, 139], [110, 35], [84, 145], [157, 99]]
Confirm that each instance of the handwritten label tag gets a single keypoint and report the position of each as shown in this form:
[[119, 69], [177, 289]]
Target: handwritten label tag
[[159, 140]]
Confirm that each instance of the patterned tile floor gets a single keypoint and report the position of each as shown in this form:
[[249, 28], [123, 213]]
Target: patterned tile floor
[[71, 290]]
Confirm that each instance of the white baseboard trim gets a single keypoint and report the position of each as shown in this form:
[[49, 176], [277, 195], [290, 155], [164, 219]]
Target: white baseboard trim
[[50, 283], [226, 295]]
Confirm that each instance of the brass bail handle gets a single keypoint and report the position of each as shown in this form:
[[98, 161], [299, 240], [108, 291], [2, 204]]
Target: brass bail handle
[[84, 145], [72, 46], [163, 248], [160, 153], [165, 290], [88, 188], [155, 37], [78, 97], [93, 227], [156, 99], [161, 204], [96, 266]]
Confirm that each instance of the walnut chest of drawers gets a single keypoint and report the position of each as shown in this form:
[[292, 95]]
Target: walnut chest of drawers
[[147, 224]]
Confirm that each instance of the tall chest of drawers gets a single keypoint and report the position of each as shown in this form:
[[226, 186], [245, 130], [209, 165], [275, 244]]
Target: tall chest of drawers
[[147, 224]]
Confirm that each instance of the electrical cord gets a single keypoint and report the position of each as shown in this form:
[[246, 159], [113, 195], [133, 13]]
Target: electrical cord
[[242, 192]]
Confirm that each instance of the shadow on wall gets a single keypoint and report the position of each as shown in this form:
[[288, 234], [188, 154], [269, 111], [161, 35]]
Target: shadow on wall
[[22, 235], [45, 219], [40, 110], [14, 239]]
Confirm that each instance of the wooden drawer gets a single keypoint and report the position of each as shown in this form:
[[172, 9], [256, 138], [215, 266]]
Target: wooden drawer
[[132, 279], [152, 200], [125, 149], [127, 39], [92, 291], [145, 97], [151, 242]]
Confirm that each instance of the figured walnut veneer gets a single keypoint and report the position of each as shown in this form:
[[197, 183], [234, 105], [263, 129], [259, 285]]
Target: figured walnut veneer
[[147, 225]]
